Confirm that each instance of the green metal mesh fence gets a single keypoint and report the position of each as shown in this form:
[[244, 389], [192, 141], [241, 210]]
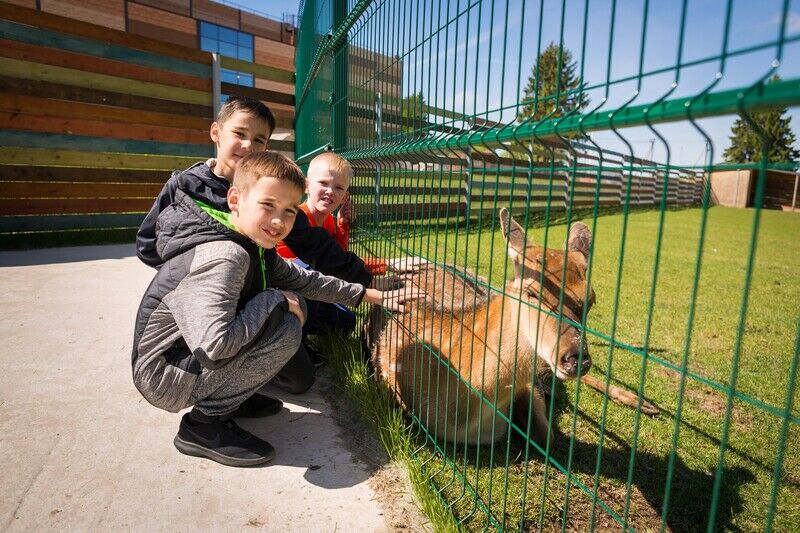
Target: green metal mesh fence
[[618, 115]]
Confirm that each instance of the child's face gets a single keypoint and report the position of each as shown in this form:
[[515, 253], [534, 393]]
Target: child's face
[[266, 211], [241, 134], [326, 189]]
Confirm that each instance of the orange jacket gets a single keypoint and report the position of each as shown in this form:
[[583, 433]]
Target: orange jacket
[[340, 232]]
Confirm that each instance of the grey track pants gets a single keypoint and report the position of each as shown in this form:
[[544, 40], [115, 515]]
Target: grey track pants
[[218, 392]]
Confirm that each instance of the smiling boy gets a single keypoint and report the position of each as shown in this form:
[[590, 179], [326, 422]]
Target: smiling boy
[[217, 322], [243, 126]]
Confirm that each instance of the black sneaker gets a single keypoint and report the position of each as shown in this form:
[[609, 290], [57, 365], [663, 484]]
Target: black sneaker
[[222, 441], [317, 358], [258, 406]]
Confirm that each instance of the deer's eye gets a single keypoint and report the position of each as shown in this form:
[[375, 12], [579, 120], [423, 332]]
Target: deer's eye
[[532, 292]]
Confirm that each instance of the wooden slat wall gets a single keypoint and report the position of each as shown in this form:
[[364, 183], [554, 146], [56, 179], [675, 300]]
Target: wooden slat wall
[[94, 118]]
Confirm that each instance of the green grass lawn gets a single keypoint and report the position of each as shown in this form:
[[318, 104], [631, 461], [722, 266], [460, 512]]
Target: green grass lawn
[[595, 440]]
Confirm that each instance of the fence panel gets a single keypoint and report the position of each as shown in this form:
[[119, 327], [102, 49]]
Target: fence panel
[[606, 113]]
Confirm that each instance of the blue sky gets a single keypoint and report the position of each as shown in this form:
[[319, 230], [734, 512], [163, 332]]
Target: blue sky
[[274, 8], [496, 43]]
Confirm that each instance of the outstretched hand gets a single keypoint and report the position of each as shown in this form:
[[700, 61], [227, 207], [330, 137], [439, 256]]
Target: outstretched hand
[[394, 300], [408, 264], [389, 283]]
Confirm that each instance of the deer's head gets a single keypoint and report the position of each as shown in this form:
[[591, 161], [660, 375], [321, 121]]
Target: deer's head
[[553, 289]]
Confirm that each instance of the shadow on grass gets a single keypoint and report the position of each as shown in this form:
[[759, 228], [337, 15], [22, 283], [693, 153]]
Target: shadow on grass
[[691, 494]]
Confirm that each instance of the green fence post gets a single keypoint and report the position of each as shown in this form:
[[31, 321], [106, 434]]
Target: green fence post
[[339, 99]]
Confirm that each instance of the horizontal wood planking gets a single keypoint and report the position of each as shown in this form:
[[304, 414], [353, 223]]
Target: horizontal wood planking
[[55, 141], [61, 189], [51, 239], [73, 60], [158, 32], [165, 20], [179, 7], [39, 19], [63, 206], [66, 76], [274, 86], [269, 52], [271, 97], [79, 45], [74, 158], [31, 4], [108, 13], [60, 91], [259, 71], [61, 109], [270, 29], [99, 128], [37, 223], [216, 13], [104, 175]]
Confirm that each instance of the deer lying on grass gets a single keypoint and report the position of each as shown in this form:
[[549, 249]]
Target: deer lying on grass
[[461, 357]]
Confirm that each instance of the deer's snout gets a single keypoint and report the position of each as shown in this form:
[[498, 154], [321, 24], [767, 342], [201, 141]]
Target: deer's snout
[[568, 362]]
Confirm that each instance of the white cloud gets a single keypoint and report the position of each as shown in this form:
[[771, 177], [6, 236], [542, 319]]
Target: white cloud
[[792, 22]]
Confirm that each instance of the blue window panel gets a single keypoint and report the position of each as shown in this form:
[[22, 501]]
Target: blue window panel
[[228, 76], [227, 49], [209, 45], [246, 40], [209, 30], [227, 35], [245, 53], [246, 79]]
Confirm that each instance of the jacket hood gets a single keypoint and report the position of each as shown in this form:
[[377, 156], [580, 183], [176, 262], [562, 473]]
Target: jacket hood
[[184, 225], [198, 181]]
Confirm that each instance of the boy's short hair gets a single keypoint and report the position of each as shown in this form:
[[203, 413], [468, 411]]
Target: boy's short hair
[[334, 161], [267, 164], [254, 107]]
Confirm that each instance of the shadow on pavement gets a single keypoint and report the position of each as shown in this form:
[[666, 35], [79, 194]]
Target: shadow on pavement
[[72, 254]]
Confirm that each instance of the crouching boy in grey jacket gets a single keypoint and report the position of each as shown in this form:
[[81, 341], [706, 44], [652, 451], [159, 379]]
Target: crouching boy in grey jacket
[[217, 322]]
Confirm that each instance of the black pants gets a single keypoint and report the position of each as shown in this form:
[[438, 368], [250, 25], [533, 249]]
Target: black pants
[[299, 374]]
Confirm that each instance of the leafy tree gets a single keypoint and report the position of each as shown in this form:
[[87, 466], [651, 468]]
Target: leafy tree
[[547, 80], [746, 144], [414, 112]]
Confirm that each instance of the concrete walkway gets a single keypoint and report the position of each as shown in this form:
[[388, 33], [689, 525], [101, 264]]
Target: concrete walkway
[[82, 449]]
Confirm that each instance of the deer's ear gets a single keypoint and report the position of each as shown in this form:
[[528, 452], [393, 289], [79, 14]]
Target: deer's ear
[[580, 239], [513, 234]]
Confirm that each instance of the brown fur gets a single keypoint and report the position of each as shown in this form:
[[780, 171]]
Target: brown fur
[[455, 358]]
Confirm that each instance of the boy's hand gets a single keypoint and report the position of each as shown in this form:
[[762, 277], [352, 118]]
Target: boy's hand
[[346, 212], [406, 264], [394, 300], [294, 306], [389, 283]]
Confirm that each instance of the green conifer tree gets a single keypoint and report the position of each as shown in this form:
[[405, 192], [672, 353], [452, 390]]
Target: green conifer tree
[[546, 80], [746, 145]]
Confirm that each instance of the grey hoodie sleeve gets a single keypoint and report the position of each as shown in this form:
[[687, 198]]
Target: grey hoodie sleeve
[[204, 305], [312, 284]]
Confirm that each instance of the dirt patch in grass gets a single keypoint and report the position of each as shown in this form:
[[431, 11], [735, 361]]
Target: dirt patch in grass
[[715, 403]]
